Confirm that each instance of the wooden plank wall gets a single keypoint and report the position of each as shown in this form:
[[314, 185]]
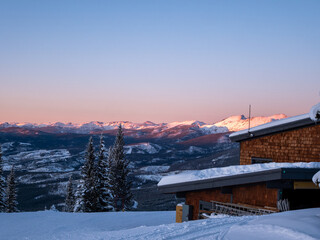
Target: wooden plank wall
[[299, 145], [192, 198], [255, 194]]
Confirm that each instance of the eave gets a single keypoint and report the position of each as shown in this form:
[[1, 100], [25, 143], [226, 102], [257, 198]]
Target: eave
[[302, 174], [272, 128]]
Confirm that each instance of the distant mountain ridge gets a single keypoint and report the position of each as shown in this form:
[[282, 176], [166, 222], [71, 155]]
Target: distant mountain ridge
[[46, 155], [233, 123]]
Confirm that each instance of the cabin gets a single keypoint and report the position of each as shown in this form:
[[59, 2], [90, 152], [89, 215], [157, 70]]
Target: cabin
[[277, 162]]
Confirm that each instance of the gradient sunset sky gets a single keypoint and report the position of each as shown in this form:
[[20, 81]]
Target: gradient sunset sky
[[161, 61]]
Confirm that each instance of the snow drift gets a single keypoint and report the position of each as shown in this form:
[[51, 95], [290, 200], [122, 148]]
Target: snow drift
[[314, 113]]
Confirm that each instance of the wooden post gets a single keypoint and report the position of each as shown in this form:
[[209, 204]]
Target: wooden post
[[179, 213]]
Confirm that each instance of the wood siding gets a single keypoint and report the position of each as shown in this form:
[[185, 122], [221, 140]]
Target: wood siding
[[299, 145], [257, 194]]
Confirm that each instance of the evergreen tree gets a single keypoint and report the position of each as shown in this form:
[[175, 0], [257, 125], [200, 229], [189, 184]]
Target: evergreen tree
[[119, 183], [11, 193], [102, 180], [88, 201], [70, 198], [2, 186], [78, 205]]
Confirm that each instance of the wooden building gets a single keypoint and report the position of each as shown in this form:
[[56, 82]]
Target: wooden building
[[289, 140], [295, 139]]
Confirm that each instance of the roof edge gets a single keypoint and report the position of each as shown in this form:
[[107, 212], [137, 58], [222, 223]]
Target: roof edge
[[276, 126], [240, 179]]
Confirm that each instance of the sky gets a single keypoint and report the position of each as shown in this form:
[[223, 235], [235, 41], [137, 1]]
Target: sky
[[162, 61]]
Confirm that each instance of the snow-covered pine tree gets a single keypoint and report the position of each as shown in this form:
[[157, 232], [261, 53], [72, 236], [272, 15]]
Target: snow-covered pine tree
[[102, 180], [78, 205], [110, 179], [89, 193], [70, 198], [119, 183], [2, 186], [11, 193]]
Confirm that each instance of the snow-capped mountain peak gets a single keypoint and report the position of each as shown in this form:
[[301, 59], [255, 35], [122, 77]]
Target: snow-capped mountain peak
[[185, 123], [240, 122]]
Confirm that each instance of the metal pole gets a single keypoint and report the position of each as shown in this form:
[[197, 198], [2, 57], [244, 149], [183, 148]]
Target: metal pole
[[249, 117]]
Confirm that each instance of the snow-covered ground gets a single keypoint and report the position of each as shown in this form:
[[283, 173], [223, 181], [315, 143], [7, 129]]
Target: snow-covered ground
[[38, 160], [41, 155], [149, 177], [301, 224], [154, 169], [143, 148], [193, 150]]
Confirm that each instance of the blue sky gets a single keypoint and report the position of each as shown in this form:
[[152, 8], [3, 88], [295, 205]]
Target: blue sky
[[157, 60]]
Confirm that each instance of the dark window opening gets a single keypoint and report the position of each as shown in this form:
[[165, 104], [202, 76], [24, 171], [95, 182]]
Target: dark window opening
[[302, 198], [255, 160]]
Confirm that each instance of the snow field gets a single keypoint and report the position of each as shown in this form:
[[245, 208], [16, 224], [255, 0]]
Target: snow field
[[291, 225], [49, 225]]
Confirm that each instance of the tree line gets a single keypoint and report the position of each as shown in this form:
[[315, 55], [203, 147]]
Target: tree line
[[104, 184], [8, 194]]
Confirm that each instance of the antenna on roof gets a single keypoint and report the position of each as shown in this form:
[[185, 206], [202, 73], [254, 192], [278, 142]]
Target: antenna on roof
[[249, 120]]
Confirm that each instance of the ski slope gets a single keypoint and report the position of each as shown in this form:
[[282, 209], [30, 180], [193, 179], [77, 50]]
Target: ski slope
[[49, 225]]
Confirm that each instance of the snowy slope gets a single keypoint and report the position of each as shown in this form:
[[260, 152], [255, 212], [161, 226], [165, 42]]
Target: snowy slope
[[142, 148], [48, 225], [300, 224], [237, 123], [39, 160], [154, 169]]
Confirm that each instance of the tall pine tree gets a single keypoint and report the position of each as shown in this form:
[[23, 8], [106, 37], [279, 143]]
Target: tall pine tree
[[2, 186], [11, 193], [89, 177], [70, 198], [87, 194], [119, 183], [102, 180]]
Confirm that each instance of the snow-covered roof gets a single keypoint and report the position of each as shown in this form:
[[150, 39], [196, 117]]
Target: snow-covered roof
[[215, 173], [272, 127], [279, 125], [316, 179]]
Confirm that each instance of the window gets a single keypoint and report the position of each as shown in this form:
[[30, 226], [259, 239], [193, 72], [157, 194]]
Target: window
[[255, 160]]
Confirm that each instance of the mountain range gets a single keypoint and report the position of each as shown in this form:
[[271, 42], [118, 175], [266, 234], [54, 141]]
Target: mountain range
[[46, 155], [233, 123]]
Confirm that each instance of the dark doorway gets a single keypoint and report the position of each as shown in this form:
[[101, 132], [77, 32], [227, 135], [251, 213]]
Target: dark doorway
[[302, 198]]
